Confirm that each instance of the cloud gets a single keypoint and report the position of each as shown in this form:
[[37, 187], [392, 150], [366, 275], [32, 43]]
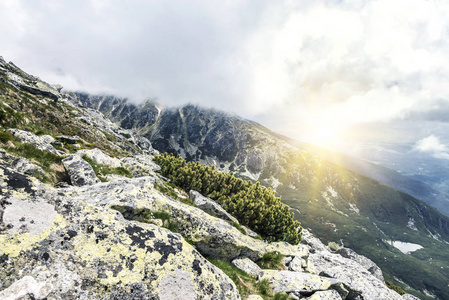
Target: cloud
[[432, 145], [299, 63]]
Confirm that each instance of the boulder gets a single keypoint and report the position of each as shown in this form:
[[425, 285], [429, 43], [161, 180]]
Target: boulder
[[355, 277], [100, 157], [85, 250], [297, 264], [79, 171], [23, 165], [254, 297], [140, 165], [41, 142], [211, 207], [288, 282], [247, 265], [362, 260], [325, 295]]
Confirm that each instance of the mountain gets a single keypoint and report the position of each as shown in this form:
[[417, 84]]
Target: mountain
[[86, 214], [339, 205]]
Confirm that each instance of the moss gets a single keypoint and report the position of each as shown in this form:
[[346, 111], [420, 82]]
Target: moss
[[169, 189], [237, 225]]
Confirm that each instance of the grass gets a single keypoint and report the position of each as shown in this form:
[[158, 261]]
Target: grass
[[395, 288], [272, 260], [247, 284], [102, 170], [238, 226], [145, 215], [170, 189]]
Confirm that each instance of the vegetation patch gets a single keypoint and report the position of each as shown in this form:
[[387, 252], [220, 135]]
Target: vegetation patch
[[395, 288], [272, 261], [145, 215], [252, 204], [248, 284], [102, 170], [173, 192]]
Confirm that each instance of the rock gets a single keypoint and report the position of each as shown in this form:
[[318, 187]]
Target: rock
[[313, 242], [79, 171], [297, 264], [89, 251], [409, 297], [356, 278], [140, 165], [287, 281], [110, 177], [68, 139], [249, 232], [26, 288], [247, 265], [100, 157], [325, 295], [23, 165], [211, 207], [254, 297], [362, 260], [41, 142]]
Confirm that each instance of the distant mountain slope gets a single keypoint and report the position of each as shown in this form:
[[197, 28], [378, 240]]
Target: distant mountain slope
[[339, 205]]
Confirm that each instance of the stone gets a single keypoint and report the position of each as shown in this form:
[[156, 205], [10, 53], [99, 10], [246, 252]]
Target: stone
[[140, 165], [409, 297], [311, 241], [26, 288], [325, 295], [297, 264], [89, 251], [68, 139], [79, 171], [211, 207], [249, 232], [254, 297], [100, 157], [288, 281], [23, 165], [247, 265], [41, 142], [355, 277], [362, 260]]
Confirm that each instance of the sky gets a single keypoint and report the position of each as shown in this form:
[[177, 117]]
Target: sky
[[312, 70]]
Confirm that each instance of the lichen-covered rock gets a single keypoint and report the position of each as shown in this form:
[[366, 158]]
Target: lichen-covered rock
[[140, 165], [247, 265], [362, 260], [313, 242], [211, 207], [249, 231], [254, 297], [325, 295], [23, 165], [41, 142], [79, 171], [297, 264], [287, 281], [353, 275], [100, 157], [85, 250]]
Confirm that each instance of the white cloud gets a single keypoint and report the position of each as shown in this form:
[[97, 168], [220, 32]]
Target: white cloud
[[304, 63], [433, 145]]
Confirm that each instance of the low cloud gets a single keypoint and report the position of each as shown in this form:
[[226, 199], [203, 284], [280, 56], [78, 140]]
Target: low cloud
[[433, 146], [338, 62]]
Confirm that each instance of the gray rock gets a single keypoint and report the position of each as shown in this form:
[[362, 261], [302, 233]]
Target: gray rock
[[353, 275], [68, 139], [23, 165], [287, 281], [211, 207], [325, 295], [249, 231], [140, 165], [362, 260], [409, 297], [313, 242], [247, 265], [100, 157], [89, 251], [26, 288], [297, 264], [254, 297], [41, 142], [79, 171]]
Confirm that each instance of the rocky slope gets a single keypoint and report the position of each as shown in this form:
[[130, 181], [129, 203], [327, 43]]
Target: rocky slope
[[82, 216], [339, 205]]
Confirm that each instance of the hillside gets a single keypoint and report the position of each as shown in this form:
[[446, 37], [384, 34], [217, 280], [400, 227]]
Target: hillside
[[86, 214], [337, 204]]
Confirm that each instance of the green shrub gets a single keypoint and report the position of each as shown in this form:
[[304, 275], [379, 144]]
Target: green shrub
[[5, 136], [333, 246], [253, 205]]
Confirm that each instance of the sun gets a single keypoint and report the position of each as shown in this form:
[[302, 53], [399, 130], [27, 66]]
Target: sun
[[328, 135]]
